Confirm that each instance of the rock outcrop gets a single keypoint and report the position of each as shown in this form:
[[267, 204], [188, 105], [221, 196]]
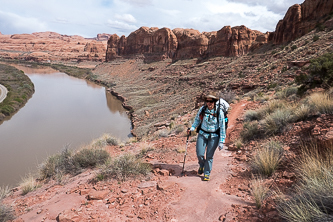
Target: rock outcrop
[[152, 43], [300, 19], [51, 46], [158, 44], [235, 41]]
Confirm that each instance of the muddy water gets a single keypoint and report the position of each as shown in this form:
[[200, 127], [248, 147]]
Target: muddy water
[[63, 111]]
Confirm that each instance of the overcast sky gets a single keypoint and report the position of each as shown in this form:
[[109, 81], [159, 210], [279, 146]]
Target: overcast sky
[[87, 18]]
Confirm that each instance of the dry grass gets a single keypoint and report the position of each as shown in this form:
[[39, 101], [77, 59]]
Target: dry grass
[[267, 158], [321, 102], [259, 191], [302, 112], [313, 199], [28, 184], [103, 141], [4, 191]]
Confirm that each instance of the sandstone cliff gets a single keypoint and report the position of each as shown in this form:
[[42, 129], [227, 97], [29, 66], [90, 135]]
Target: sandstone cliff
[[158, 44], [153, 43], [300, 19]]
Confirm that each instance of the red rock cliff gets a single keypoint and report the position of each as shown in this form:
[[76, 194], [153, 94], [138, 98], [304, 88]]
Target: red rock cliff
[[156, 44], [235, 41], [300, 19], [153, 43]]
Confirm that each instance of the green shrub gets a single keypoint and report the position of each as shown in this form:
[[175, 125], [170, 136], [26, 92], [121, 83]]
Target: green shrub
[[272, 106], [124, 167], [276, 122], [251, 115], [272, 85], [7, 110], [90, 157], [315, 38], [250, 131], [321, 73], [287, 92], [266, 160], [293, 47], [58, 163]]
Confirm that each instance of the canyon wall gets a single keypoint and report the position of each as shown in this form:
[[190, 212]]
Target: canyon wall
[[301, 19], [157, 44]]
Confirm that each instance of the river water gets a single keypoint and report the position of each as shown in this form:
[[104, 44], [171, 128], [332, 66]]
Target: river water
[[63, 111]]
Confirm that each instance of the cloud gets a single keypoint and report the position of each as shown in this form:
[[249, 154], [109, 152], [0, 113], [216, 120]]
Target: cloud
[[127, 18], [276, 6], [120, 26], [140, 3], [11, 23]]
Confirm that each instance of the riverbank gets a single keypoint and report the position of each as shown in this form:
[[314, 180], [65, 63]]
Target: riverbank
[[20, 90]]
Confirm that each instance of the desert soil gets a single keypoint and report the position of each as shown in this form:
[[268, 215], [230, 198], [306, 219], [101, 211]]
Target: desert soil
[[168, 195]]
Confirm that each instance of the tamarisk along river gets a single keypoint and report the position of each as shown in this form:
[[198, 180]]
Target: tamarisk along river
[[63, 111]]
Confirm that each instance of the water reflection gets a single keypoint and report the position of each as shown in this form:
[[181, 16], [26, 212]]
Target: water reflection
[[63, 110]]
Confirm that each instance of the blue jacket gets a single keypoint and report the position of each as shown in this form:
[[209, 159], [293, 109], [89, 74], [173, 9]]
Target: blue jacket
[[210, 124]]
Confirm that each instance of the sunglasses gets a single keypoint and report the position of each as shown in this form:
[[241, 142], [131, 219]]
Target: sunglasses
[[209, 101]]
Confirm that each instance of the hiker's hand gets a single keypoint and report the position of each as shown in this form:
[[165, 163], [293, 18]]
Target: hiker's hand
[[220, 146], [188, 131]]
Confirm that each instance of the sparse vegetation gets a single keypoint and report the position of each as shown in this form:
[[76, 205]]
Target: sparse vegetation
[[259, 191], [312, 200], [267, 158], [321, 73], [28, 184], [124, 167], [250, 131], [68, 163], [6, 213]]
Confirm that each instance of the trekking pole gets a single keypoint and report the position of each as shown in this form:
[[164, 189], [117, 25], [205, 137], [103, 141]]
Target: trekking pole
[[188, 135]]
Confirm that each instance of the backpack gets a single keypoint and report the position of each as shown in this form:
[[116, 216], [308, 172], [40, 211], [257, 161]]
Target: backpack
[[222, 106]]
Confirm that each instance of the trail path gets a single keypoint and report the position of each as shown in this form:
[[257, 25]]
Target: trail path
[[202, 200]]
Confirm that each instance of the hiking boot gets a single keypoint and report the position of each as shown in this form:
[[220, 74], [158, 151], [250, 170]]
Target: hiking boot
[[206, 178], [200, 170]]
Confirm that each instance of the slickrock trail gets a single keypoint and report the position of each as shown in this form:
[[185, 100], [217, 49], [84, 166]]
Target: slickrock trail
[[202, 200]]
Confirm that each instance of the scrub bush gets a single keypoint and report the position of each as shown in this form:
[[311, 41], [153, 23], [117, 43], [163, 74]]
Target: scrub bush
[[124, 167], [250, 131], [266, 160], [259, 191], [313, 199]]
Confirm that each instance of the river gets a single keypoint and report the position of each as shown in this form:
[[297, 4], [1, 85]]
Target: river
[[63, 111]]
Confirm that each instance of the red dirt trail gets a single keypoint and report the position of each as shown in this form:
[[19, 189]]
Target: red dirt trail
[[204, 200]]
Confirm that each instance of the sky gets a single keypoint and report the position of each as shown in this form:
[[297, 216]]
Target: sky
[[88, 18]]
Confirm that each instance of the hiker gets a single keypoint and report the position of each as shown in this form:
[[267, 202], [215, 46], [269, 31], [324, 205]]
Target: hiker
[[210, 123]]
